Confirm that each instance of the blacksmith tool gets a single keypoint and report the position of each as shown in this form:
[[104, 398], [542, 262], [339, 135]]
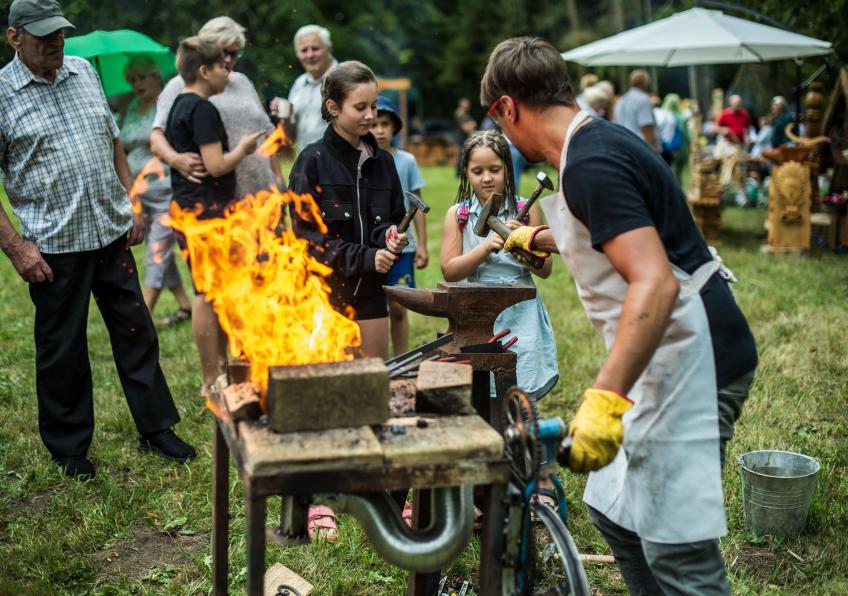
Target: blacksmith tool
[[415, 204], [488, 221], [543, 183], [499, 335], [471, 309], [413, 355]]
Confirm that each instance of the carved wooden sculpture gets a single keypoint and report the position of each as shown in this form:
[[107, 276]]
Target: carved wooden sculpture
[[790, 197]]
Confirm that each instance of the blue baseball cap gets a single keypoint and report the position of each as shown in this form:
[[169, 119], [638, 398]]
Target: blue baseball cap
[[384, 104]]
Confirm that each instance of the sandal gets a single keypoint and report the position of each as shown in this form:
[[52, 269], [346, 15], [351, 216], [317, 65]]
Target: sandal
[[407, 514], [322, 523], [544, 496], [178, 316]]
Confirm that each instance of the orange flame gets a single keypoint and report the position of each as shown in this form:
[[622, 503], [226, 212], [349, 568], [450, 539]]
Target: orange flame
[[273, 142], [140, 185], [269, 293]]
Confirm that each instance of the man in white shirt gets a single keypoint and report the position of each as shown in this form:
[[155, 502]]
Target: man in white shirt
[[634, 110], [314, 50]]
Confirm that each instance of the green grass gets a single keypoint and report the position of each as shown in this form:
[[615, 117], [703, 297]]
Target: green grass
[[143, 526]]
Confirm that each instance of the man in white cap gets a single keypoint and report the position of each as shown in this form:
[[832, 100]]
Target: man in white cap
[[66, 176]]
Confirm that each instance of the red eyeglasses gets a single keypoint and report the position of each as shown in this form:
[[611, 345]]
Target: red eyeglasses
[[492, 112]]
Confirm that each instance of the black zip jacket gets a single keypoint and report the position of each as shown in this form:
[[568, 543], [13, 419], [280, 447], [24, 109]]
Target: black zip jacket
[[358, 206]]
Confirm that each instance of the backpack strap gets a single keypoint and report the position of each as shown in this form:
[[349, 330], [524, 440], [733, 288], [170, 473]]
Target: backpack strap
[[520, 204], [462, 215]]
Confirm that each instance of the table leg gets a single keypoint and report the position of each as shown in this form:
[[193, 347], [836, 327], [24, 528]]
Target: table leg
[[492, 539], [220, 511], [255, 514], [422, 584]]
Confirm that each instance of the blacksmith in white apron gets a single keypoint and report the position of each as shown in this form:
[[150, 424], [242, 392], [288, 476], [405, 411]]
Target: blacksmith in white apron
[[657, 500]]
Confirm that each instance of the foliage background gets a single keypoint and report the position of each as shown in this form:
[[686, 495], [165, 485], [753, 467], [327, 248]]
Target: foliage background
[[442, 45]]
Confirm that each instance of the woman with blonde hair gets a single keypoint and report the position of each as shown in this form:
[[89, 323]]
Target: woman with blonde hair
[[136, 122], [241, 112]]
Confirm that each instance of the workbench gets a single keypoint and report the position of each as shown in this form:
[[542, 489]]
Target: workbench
[[444, 451]]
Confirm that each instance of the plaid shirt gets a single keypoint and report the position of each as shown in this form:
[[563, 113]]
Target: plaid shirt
[[57, 156]]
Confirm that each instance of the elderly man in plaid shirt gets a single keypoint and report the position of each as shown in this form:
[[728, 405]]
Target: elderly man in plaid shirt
[[66, 176]]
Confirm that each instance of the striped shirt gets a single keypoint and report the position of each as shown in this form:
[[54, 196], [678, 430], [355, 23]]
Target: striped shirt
[[57, 157]]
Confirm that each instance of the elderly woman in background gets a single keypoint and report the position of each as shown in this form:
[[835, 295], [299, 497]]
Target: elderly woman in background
[[241, 112], [161, 271]]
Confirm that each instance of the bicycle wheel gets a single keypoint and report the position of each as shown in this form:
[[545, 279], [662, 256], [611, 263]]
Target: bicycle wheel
[[557, 569]]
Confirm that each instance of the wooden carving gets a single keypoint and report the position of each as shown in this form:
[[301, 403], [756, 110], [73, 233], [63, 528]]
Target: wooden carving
[[790, 196]]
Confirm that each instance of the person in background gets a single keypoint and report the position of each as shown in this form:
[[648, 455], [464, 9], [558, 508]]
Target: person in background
[[465, 125], [586, 81], [761, 140], [634, 111], [241, 112], [415, 255], [680, 160], [596, 101], [666, 129], [314, 49], [361, 242], [609, 89], [194, 126], [68, 186], [136, 123], [780, 116], [734, 122]]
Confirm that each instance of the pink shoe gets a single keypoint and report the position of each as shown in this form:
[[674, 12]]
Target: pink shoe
[[407, 514], [322, 523]]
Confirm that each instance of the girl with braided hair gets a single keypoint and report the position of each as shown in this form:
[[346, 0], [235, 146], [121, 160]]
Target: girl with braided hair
[[486, 168]]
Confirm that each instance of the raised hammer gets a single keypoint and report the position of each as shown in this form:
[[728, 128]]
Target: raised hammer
[[543, 183], [415, 203], [488, 220]]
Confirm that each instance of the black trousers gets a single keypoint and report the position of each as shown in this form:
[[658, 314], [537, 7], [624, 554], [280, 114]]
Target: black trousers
[[63, 373]]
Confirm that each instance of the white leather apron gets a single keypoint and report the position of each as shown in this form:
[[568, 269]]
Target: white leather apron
[[665, 482]]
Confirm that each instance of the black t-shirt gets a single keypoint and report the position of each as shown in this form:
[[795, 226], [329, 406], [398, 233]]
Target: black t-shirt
[[614, 182], [194, 121]]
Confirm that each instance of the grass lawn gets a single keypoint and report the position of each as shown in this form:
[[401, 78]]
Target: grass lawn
[[143, 526]]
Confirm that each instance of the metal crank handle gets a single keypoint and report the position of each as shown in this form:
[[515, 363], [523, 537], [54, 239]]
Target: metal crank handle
[[564, 452]]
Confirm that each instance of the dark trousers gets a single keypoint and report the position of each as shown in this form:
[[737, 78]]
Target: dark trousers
[[63, 373], [654, 569]]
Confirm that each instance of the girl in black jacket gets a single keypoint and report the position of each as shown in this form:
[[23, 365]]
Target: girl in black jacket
[[357, 189]]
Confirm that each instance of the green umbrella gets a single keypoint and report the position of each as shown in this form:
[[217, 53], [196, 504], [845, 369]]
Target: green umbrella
[[109, 52]]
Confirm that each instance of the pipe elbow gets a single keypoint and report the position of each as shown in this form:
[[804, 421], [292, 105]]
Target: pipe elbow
[[423, 550]]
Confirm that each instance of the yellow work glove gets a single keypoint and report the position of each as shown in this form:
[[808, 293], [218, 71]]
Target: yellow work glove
[[596, 430], [522, 237]]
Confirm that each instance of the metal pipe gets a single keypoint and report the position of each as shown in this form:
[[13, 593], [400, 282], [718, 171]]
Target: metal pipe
[[425, 550]]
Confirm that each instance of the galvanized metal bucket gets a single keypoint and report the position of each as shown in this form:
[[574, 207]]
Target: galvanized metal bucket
[[777, 488]]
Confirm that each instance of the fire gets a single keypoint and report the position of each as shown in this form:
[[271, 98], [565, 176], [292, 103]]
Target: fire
[[140, 184], [269, 293], [273, 142]]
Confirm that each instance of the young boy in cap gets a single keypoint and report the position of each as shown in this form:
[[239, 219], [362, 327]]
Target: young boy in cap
[[386, 125]]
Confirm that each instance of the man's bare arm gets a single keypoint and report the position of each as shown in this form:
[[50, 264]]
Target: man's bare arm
[[24, 255], [640, 258]]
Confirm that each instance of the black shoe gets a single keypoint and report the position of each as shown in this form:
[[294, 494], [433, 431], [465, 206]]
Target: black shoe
[[167, 444], [77, 467]]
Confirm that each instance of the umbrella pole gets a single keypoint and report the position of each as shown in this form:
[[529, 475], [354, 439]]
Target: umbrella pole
[[798, 96]]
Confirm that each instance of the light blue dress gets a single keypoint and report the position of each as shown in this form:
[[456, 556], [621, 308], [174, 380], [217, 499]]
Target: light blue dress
[[537, 370]]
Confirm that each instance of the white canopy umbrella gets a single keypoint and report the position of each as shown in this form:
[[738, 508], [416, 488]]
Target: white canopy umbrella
[[697, 36]]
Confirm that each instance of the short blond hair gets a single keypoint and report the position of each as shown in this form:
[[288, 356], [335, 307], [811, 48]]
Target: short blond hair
[[224, 32]]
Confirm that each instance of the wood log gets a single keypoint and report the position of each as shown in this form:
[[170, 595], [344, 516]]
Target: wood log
[[280, 575], [330, 395], [443, 388], [242, 401]]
